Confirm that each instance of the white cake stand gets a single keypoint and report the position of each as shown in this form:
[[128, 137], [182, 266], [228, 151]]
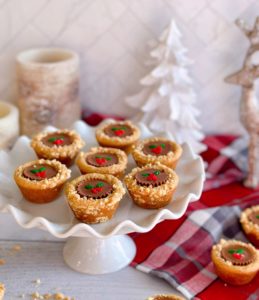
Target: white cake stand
[[101, 248]]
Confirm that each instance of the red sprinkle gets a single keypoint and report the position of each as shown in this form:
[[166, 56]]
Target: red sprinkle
[[41, 174], [59, 142], [119, 132], [152, 177], [238, 256], [157, 150], [100, 161], [96, 190]]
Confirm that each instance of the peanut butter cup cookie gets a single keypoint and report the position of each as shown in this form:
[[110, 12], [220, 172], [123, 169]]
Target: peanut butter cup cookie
[[103, 160], [62, 145], [94, 197], [250, 223], [122, 135], [41, 181], [235, 262], [151, 186], [157, 149]]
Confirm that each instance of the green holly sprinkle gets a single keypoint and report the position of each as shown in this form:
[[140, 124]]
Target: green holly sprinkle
[[99, 184], [257, 217], [231, 251], [53, 139], [163, 146], [152, 146], [145, 174], [119, 128], [240, 251], [156, 172], [107, 158], [38, 170], [88, 187]]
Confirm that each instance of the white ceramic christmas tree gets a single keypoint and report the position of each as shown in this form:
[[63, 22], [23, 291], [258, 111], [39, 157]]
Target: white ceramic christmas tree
[[167, 99]]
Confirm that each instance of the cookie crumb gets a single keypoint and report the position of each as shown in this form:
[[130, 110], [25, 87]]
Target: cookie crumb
[[2, 262], [36, 296], [48, 296], [17, 248], [59, 296]]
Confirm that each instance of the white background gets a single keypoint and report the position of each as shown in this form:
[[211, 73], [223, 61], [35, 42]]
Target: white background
[[111, 37]]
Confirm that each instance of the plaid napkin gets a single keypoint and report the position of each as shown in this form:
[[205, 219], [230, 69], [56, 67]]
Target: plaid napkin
[[184, 259]]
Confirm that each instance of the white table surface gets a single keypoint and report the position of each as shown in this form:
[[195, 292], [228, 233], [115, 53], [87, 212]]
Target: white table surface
[[41, 257]]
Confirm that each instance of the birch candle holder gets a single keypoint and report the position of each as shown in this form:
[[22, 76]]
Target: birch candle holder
[[48, 87], [9, 124]]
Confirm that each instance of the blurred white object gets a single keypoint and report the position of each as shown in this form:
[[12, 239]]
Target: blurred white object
[[166, 102], [9, 124]]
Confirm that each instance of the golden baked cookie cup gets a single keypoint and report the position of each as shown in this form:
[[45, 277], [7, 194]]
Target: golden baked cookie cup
[[151, 186], [62, 145], [249, 220], [165, 297], [102, 160], [43, 189], [157, 149], [235, 262], [121, 134], [94, 208]]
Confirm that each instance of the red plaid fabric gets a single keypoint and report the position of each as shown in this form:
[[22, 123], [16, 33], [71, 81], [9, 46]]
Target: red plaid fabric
[[179, 250], [184, 259], [222, 163]]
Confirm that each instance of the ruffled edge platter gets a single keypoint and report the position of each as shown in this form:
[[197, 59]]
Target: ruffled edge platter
[[57, 218]]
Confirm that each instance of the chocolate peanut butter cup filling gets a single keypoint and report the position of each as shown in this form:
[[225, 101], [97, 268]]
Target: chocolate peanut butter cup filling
[[151, 177], [118, 130], [57, 139], [39, 172], [238, 255], [102, 159], [95, 188], [254, 217], [157, 148]]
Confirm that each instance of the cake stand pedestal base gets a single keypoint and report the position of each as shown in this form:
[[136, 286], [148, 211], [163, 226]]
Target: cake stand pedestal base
[[99, 256]]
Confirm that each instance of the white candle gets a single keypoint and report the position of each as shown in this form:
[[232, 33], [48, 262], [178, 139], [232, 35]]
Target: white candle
[[9, 124], [48, 88]]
